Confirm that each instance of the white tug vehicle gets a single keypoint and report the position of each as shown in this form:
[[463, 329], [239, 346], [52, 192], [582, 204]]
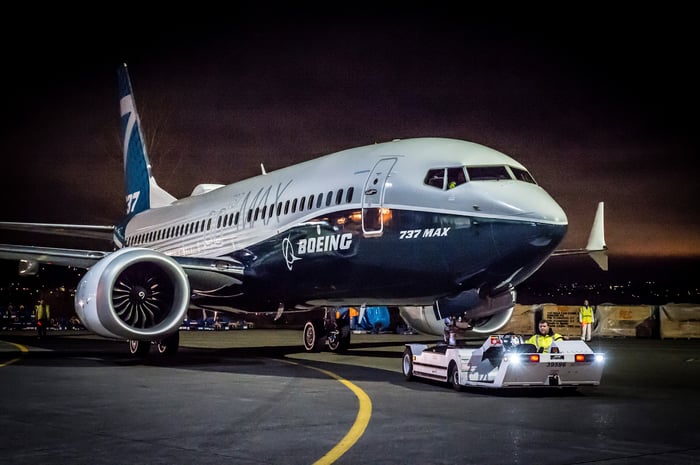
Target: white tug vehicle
[[505, 361]]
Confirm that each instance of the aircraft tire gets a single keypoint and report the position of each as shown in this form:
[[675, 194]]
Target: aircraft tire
[[313, 336], [342, 341], [139, 349], [168, 346]]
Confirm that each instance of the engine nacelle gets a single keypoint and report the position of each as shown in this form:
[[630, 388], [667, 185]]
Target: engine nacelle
[[133, 293], [484, 315]]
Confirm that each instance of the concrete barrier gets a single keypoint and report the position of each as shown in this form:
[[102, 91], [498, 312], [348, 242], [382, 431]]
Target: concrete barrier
[[563, 319], [679, 320], [625, 321]]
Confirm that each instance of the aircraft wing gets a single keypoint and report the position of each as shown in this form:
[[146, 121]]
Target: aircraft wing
[[30, 256], [72, 230], [207, 275], [596, 247]]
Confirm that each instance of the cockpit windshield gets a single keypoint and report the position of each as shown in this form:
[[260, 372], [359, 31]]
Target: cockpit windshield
[[449, 178], [487, 173]]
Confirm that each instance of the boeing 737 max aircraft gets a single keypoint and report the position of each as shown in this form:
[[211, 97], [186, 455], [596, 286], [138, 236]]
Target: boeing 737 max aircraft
[[418, 222]]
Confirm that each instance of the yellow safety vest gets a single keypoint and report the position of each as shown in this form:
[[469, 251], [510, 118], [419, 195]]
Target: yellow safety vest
[[42, 312], [543, 342], [585, 314]]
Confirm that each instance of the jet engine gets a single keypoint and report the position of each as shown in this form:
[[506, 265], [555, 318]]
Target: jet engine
[[135, 294], [478, 314]]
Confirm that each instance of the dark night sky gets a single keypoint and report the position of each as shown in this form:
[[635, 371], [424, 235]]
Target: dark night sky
[[598, 105]]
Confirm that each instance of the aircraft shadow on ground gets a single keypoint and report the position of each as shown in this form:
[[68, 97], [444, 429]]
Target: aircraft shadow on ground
[[57, 352]]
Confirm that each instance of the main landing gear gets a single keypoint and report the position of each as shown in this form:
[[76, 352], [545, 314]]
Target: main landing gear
[[166, 346], [333, 329]]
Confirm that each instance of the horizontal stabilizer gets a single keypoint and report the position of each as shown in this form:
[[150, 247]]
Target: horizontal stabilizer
[[596, 247], [204, 188], [601, 258]]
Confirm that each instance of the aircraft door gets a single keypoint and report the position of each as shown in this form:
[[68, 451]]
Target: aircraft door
[[373, 197]]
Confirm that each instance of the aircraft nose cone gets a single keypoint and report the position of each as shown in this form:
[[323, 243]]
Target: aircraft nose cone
[[535, 224], [539, 206], [548, 217], [520, 201]]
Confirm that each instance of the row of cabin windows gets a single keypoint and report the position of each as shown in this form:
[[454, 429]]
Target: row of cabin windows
[[449, 178], [232, 219]]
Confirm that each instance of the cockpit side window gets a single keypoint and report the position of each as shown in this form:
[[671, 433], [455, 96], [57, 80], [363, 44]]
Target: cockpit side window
[[487, 173], [435, 178], [455, 177], [522, 175]]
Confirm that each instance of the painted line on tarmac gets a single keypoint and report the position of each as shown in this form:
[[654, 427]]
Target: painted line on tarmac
[[14, 360], [364, 413]]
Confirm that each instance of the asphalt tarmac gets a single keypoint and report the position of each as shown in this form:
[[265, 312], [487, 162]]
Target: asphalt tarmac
[[255, 397]]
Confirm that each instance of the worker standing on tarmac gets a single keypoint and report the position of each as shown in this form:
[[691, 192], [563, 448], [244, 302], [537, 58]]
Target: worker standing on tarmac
[[43, 317], [586, 318]]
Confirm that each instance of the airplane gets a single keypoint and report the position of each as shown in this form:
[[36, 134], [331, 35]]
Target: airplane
[[429, 221]]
